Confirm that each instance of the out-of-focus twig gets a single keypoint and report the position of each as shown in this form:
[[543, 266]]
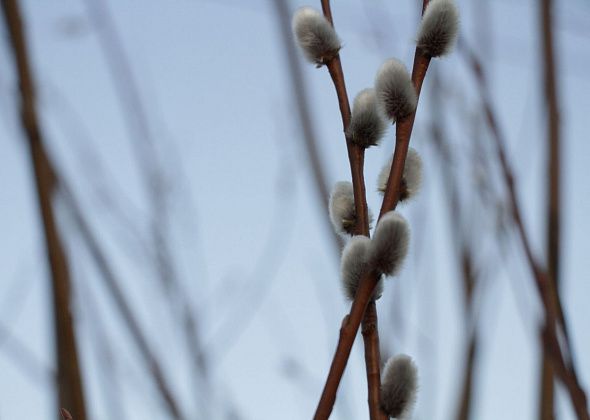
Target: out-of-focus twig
[[112, 284], [149, 161], [546, 397], [560, 350], [69, 381], [461, 244]]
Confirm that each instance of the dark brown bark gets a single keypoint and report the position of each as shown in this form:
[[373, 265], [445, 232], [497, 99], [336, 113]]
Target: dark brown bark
[[69, 382]]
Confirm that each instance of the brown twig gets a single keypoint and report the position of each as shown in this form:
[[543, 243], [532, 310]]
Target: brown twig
[[546, 397], [554, 316], [370, 332], [356, 158], [69, 379], [352, 321]]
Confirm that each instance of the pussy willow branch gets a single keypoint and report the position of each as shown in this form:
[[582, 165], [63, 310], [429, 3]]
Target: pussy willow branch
[[356, 158], [554, 316], [69, 381], [352, 321]]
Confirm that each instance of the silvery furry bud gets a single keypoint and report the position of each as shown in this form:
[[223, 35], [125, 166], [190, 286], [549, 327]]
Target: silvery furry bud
[[395, 91], [439, 28], [342, 209], [389, 246], [411, 179], [368, 122], [355, 264], [399, 384], [316, 37]]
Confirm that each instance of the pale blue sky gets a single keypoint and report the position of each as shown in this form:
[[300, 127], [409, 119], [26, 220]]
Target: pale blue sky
[[245, 223]]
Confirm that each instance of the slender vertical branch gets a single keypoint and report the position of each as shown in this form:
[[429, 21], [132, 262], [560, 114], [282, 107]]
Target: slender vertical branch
[[356, 158], [352, 321], [370, 332], [69, 379], [546, 397]]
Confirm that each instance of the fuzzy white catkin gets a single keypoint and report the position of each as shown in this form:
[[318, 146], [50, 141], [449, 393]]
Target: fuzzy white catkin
[[368, 123], [394, 89], [342, 211], [439, 28], [316, 37], [389, 246], [399, 384], [355, 264], [411, 179]]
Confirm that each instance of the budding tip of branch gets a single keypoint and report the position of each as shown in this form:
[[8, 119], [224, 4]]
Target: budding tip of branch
[[315, 35], [355, 264], [439, 28], [368, 123], [390, 243], [395, 91], [399, 386]]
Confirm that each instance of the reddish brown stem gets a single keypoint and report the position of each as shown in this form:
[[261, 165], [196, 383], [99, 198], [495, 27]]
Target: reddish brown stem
[[403, 132], [356, 157], [352, 321], [370, 333], [348, 331]]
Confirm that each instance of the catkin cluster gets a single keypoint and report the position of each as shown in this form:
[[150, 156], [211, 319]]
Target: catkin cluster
[[392, 99]]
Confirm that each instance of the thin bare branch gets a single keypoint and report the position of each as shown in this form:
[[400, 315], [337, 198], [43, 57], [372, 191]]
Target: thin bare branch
[[70, 389], [546, 397], [112, 284], [554, 316]]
